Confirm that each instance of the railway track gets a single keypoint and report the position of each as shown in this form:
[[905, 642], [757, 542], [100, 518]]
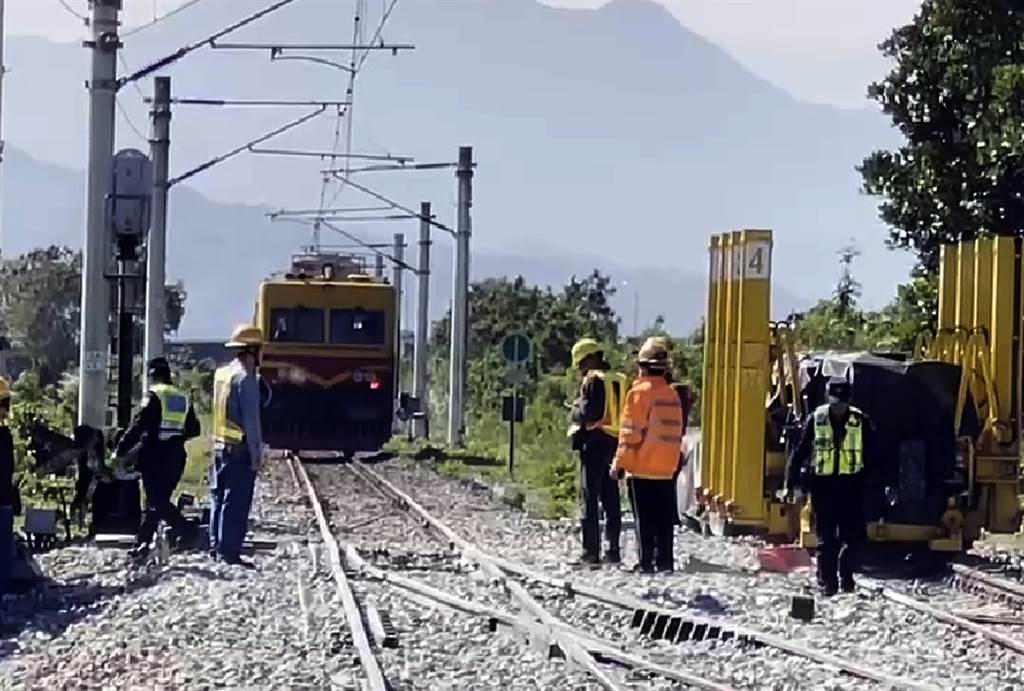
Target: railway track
[[648, 618], [597, 657], [549, 610]]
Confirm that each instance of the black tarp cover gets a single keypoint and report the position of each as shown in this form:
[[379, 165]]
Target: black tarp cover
[[912, 443]]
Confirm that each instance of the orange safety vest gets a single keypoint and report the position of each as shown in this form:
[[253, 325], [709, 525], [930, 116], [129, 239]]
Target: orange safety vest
[[651, 432]]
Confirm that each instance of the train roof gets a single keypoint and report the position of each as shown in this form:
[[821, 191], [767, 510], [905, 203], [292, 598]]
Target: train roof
[[360, 280]]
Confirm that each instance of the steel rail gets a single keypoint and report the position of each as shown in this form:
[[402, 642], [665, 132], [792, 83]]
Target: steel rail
[[636, 604], [999, 586], [430, 596], [552, 631], [1009, 642], [371, 667]]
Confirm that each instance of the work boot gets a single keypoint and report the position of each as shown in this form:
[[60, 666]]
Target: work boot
[[612, 556], [588, 559], [139, 553], [238, 561], [829, 589], [644, 569], [847, 585]]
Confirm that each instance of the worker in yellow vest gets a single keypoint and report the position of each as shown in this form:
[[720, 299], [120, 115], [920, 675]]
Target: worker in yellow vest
[[237, 444], [595, 428], [650, 438], [829, 461], [156, 438]]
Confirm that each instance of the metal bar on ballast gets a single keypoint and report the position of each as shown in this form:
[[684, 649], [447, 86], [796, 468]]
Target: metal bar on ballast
[[245, 147]]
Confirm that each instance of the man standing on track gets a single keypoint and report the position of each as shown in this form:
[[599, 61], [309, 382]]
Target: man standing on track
[[237, 445], [829, 461], [157, 437], [595, 427], [650, 438]]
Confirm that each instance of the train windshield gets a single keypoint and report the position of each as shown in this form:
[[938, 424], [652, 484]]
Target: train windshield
[[357, 326], [297, 325]]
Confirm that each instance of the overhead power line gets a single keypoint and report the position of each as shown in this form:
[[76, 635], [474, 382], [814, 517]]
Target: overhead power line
[[71, 10], [167, 15], [209, 40]]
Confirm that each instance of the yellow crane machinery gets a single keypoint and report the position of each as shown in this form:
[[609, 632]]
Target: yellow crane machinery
[[949, 417]]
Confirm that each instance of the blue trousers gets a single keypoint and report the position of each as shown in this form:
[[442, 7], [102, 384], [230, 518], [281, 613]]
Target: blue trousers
[[232, 480], [6, 545]]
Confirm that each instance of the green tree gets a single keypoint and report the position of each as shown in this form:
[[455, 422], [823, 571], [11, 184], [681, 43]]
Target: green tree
[[40, 294], [174, 306], [956, 94]]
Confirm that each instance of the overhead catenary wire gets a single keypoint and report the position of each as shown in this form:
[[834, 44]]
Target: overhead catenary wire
[[354, 238], [209, 40], [395, 205], [157, 20], [71, 10], [245, 147]]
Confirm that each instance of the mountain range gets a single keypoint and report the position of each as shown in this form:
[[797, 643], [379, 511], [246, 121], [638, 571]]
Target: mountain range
[[611, 138]]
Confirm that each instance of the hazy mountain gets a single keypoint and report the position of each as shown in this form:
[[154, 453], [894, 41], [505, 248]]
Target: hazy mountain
[[613, 134]]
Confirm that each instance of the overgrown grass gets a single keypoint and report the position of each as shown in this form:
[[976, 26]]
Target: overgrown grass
[[194, 480], [544, 470]]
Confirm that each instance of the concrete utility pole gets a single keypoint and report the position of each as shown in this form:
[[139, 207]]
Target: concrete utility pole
[[3, 69], [419, 376], [156, 246], [95, 345], [396, 281], [460, 301]]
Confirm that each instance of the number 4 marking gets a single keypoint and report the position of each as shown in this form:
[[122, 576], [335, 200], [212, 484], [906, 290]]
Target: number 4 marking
[[758, 260]]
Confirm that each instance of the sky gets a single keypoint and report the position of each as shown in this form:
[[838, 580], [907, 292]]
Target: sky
[[821, 51]]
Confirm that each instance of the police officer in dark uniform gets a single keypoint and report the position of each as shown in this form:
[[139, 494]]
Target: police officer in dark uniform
[[594, 432], [156, 437], [829, 462]]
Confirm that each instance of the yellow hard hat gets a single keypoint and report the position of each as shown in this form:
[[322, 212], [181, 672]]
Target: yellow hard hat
[[654, 351], [5, 389], [583, 348], [245, 336]]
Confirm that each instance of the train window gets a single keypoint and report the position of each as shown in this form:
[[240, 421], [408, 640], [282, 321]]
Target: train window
[[297, 325], [357, 326]]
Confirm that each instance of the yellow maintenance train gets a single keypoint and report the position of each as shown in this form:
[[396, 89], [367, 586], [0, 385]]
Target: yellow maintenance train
[[948, 415], [329, 356]]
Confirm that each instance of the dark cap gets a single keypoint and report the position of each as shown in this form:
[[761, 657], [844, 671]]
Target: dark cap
[[840, 388], [159, 364]]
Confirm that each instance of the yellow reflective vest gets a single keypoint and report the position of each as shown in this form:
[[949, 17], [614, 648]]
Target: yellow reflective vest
[[173, 410], [615, 389], [224, 430], [851, 453]]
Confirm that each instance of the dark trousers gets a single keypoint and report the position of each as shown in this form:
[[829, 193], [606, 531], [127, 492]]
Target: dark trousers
[[654, 512], [232, 481], [160, 476], [596, 487], [839, 525]]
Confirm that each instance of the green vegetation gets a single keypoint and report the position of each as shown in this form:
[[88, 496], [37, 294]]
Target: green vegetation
[[956, 94]]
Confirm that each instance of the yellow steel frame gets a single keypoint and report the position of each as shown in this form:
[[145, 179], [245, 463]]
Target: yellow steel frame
[[737, 371], [979, 329]]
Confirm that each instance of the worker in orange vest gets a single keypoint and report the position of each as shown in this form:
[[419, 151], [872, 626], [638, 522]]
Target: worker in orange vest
[[650, 435]]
